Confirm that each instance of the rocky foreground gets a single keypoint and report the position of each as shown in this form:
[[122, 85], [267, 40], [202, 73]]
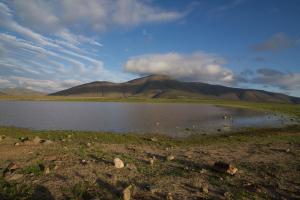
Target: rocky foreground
[[260, 164]]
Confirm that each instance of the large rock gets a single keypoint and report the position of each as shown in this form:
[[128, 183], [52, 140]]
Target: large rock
[[118, 163], [224, 167]]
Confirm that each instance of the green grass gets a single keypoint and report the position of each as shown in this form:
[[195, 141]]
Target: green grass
[[259, 136], [14, 191]]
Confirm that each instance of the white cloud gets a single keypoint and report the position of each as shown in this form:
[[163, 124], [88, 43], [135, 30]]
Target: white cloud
[[196, 67]]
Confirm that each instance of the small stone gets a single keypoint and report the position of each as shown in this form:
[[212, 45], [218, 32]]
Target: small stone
[[204, 188], [50, 158], [23, 139], [83, 162], [47, 170], [170, 157], [69, 136], [118, 163], [47, 142], [151, 161], [203, 171], [169, 196], [154, 139], [10, 168], [17, 144], [127, 193], [287, 150], [88, 144], [224, 167]]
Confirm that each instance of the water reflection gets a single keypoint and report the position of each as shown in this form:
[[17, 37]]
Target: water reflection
[[171, 119]]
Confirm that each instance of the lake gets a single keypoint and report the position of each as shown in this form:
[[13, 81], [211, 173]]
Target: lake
[[170, 119]]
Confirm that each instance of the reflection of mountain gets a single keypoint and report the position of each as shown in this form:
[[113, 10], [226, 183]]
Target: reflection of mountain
[[159, 86], [20, 92]]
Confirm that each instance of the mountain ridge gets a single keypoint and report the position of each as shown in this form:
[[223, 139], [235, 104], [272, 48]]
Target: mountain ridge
[[161, 86], [19, 91]]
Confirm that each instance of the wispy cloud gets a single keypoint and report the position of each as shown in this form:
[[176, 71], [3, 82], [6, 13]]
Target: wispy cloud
[[225, 7], [96, 15]]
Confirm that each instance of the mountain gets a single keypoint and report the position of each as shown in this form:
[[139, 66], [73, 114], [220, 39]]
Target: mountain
[[20, 92], [160, 86]]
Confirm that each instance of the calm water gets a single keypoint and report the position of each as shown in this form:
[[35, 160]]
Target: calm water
[[171, 119]]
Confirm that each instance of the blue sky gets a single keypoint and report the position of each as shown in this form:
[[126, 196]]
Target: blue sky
[[52, 45]]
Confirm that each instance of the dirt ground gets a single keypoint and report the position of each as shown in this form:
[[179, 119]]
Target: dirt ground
[[71, 168]]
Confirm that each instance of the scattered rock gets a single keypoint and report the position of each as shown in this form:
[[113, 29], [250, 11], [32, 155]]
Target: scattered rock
[[47, 170], [127, 193], [204, 188], [17, 144], [154, 139], [224, 167], [169, 196], [14, 177], [37, 140], [227, 195], [69, 136], [47, 142], [118, 163], [131, 166], [23, 139], [88, 144], [10, 168], [151, 160], [170, 157], [2, 137], [83, 162], [50, 158]]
